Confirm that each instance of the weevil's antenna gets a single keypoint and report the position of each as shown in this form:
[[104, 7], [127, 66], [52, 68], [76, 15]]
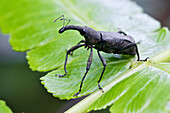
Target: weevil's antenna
[[63, 18], [64, 21]]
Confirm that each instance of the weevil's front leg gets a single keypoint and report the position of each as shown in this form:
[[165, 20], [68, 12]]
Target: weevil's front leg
[[104, 64], [82, 41], [68, 52], [87, 69]]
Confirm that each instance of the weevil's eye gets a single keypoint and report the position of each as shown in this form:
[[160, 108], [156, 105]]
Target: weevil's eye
[[62, 30], [83, 31]]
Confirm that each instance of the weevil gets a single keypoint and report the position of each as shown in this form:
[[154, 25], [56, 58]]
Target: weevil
[[108, 42]]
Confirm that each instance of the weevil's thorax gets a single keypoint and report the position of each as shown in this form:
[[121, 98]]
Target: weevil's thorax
[[91, 36]]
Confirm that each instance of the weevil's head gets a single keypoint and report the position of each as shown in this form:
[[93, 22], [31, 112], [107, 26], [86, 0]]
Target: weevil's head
[[91, 36], [71, 27]]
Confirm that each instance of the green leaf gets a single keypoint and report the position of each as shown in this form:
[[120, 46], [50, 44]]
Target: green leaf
[[4, 108], [140, 95], [31, 27]]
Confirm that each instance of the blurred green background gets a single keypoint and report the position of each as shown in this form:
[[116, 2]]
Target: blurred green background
[[20, 87]]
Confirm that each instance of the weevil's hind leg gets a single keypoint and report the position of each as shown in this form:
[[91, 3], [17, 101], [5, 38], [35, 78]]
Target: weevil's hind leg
[[68, 52], [138, 56], [121, 32], [87, 69], [137, 53], [104, 64]]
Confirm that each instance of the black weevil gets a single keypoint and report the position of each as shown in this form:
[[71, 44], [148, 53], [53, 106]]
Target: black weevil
[[108, 42]]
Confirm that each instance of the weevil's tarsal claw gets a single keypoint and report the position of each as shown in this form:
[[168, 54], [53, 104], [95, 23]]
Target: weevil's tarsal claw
[[61, 75], [100, 88], [76, 94], [56, 74], [146, 59]]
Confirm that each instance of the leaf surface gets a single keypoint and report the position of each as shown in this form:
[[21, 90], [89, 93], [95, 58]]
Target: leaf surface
[[31, 28], [4, 108]]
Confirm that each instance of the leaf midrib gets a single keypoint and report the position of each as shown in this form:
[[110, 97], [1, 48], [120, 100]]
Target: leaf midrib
[[146, 84], [96, 95]]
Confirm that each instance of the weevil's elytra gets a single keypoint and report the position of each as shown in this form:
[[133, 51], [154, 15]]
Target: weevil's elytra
[[108, 42]]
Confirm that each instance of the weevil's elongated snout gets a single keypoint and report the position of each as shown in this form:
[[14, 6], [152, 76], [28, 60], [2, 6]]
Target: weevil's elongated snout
[[91, 36], [62, 30], [71, 27]]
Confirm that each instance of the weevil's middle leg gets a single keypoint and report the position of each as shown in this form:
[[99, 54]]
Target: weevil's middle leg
[[87, 69], [104, 64], [68, 52]]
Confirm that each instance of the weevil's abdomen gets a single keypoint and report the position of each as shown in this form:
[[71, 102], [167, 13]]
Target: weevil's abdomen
[[111, 42]]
